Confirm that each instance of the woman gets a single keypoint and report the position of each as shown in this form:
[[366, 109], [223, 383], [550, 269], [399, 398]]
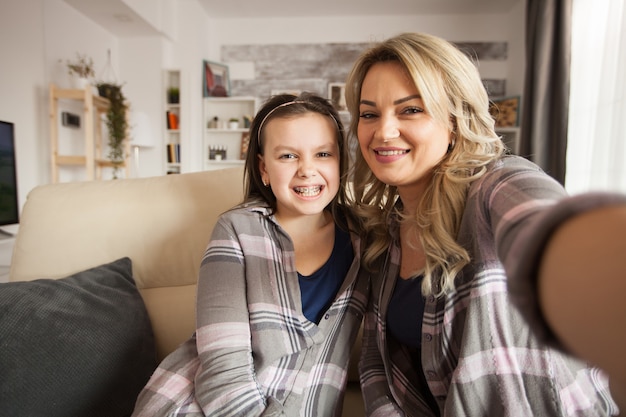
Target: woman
[[449, 217], [280, 293]]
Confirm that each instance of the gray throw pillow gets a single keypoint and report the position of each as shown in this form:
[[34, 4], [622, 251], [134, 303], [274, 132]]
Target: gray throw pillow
[[77, 346]]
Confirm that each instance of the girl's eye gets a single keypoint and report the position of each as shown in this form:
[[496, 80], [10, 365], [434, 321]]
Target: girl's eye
[[287, 156], [324, 154]]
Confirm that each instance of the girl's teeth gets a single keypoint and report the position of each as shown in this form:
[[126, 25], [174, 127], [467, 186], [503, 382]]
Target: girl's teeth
[[308, 191]]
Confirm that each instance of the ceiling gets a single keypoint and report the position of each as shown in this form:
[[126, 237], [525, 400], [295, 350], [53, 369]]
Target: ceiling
[[317, 8], [121, 20]]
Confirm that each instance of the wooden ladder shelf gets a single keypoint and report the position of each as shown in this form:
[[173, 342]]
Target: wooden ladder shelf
[[94, 107]]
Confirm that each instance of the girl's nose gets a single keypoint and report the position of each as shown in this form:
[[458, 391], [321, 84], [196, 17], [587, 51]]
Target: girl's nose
[[306, 168]]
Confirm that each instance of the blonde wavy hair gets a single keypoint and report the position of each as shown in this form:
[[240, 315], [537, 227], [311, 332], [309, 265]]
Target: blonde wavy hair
[[454, 95]]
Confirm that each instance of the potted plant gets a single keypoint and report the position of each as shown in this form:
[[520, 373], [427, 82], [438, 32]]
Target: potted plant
[[81, 69], [116, 123], [233, 123], [173, 95]]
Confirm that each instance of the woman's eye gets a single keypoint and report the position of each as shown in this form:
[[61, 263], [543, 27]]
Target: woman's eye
[[367, 115], [413, 110]]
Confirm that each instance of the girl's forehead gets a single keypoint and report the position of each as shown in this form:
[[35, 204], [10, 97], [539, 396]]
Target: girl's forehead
[[305, 127]]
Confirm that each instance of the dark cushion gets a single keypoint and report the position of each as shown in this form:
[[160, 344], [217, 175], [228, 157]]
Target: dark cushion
[[77, 346]]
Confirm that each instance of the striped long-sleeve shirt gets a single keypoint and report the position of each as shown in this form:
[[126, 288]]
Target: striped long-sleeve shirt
[[479, 355], [254, 353]]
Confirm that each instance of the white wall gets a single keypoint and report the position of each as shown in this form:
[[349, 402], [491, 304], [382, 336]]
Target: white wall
[[140, 64], [21, 81], [36, 34], [66, 33], [462, 28], [516, 36], [187, 54]]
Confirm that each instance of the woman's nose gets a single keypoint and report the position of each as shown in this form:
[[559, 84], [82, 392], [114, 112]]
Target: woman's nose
[[388, 128]]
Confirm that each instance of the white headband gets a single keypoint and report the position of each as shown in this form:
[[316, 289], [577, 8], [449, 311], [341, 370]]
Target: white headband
[[285, 105]]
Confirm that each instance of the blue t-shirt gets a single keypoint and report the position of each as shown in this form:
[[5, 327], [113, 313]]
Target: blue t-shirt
[[404, 321], [406, 310], [318, 290]]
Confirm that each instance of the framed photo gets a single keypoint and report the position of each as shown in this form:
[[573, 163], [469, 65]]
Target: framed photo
[[337, 96], [292, 92], [505, 111], [245, 143], [215, 79]]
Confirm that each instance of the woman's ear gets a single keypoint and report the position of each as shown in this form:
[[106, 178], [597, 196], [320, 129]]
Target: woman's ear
[[452, 135], [453, 124]]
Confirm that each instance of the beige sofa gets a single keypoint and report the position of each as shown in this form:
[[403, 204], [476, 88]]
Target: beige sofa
[[161, 223]]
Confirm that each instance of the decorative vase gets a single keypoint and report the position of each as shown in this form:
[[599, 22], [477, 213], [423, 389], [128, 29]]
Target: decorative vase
[[80, 82], [173, 97]]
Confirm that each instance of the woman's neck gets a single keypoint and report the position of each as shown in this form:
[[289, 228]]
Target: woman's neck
[[410, 201], [411, 195]]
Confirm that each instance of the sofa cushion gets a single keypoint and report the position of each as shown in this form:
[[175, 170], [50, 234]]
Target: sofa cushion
[[76, 346]]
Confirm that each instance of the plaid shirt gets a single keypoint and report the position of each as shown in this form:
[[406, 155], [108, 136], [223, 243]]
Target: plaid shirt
[[254, 353], [479, 356]]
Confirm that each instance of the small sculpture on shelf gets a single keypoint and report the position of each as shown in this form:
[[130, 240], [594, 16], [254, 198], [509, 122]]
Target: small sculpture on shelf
[[213, 123], [217, 152]]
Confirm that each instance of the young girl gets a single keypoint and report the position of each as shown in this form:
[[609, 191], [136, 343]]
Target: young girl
[[280, 297]]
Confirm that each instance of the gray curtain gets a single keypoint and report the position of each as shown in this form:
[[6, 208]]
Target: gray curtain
[[545, 103]]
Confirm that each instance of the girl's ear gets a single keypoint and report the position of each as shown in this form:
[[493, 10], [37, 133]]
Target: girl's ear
[[263, 170]]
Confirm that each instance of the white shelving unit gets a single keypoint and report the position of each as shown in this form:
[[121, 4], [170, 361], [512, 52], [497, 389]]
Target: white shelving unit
[[222, 143], [510, 137], [172, 119]]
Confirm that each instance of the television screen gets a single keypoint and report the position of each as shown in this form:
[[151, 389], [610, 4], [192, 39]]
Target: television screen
[[9, 213]]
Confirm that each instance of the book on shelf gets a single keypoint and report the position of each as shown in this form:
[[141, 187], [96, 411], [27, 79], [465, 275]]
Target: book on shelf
[[172, 120], [173, 153]]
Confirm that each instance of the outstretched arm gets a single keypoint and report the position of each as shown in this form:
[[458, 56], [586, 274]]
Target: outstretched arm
[[582, 286]]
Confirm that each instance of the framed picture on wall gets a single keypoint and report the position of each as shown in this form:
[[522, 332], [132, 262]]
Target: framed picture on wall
[[215, 79], [505, 111], [245, 144], [292, 92], [337, 96]]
